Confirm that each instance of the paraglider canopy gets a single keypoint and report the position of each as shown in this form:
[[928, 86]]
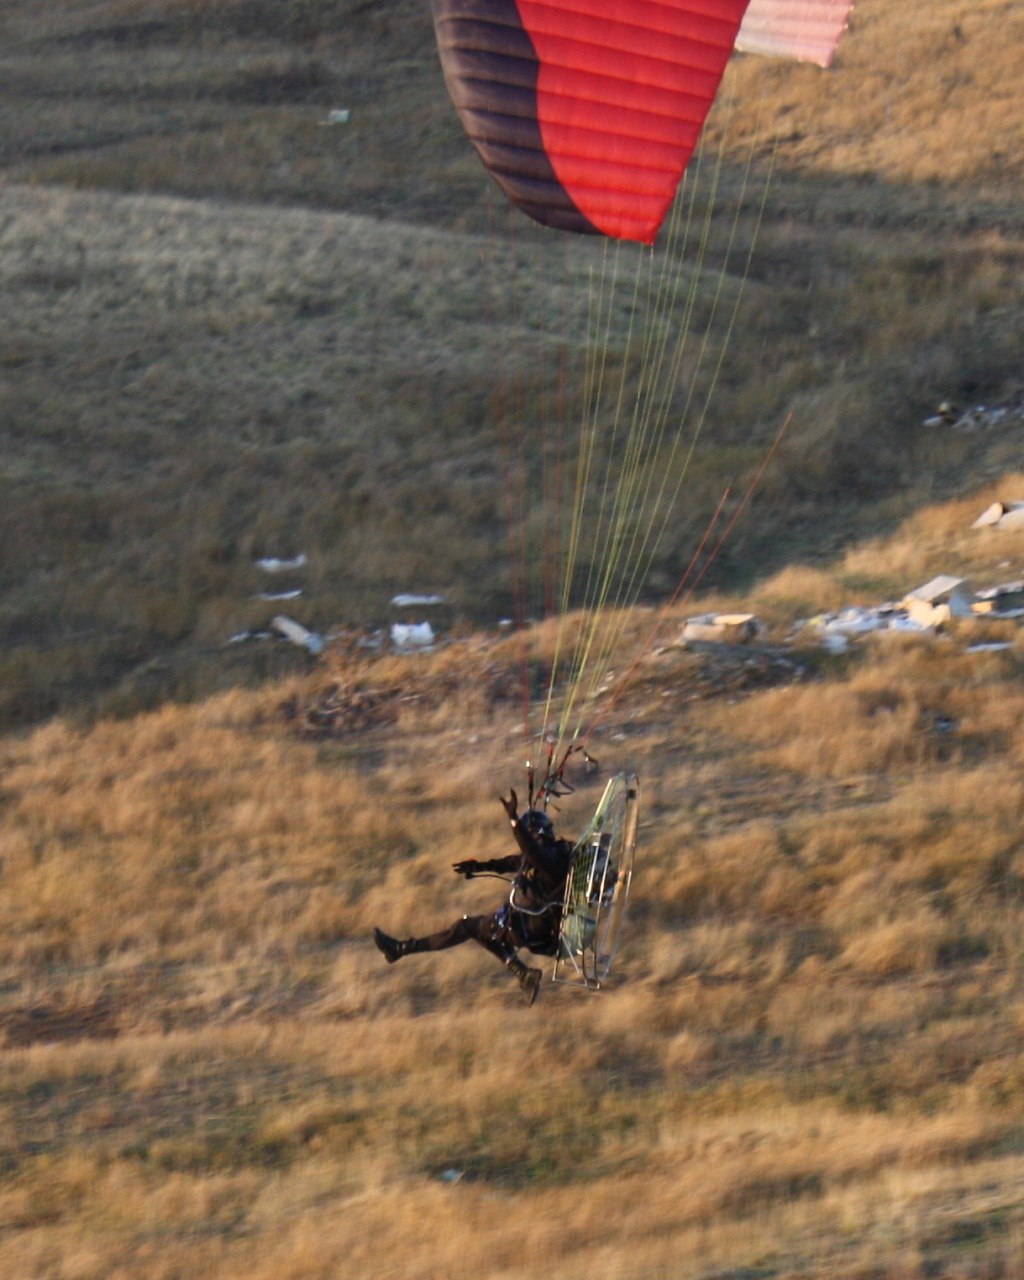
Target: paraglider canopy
[[586, 112]]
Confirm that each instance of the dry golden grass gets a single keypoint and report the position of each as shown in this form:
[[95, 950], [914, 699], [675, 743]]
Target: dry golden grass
[[808, 1065], [915, 96]]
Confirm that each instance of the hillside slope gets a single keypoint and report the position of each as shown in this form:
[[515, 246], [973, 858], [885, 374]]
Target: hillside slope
[[808, 1063], [255, 370]]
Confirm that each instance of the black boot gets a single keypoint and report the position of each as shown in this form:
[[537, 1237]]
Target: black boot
[[529, 979], [391, 947]]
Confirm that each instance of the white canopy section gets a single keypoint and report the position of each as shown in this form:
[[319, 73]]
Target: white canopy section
[[808, 30]]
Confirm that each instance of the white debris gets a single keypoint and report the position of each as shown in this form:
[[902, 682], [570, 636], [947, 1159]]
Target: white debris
[[905, 622], [855, 620], [412, 637], [415, 602], [241, 637], [1001, 515], [278, 595], [990, 516], [980, 416], [927, 609], [340, 115], [1014, 588], [838, 629], [1012, 519], [270, 564], [1005, 601], [298, 634]]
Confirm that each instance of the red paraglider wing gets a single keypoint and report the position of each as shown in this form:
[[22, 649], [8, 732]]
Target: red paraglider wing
[[586, 111]]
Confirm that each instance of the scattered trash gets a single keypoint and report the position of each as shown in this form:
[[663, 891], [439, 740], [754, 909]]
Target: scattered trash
[[994, 646], [270, 564], [293, 594], [298, 634], [340, 115], [837, 629], [452, 1176], [926, 610]]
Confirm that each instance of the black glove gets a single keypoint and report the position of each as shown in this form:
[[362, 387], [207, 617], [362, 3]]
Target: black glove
[[511, 805], [469, 868]]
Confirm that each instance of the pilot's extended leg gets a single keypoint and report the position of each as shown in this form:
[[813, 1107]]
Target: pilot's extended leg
[[489, 931]]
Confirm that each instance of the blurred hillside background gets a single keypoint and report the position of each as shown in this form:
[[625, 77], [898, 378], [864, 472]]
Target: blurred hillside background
[[232, 329]]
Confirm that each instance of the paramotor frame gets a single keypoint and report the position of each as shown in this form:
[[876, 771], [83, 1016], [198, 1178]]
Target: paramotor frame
[[597, 887]]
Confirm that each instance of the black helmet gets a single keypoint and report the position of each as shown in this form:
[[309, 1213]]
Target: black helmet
[[538, 823]]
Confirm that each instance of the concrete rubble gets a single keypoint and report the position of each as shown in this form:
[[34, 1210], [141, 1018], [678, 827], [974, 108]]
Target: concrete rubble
[[926, 610], [1004, 601], [1004, 516], [937, 602], [721, 628]]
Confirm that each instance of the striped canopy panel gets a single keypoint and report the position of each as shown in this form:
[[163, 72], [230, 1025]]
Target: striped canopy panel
[[795, 28], [586, 112]]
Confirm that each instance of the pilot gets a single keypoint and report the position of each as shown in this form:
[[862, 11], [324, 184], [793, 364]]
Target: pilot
[[532, 916]]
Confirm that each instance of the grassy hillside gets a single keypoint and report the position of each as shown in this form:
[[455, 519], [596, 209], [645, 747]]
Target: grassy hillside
[[315, 349], [808, 1065]]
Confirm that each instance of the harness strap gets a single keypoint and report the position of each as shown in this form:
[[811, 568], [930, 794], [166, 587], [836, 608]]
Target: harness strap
[[555, 901]]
